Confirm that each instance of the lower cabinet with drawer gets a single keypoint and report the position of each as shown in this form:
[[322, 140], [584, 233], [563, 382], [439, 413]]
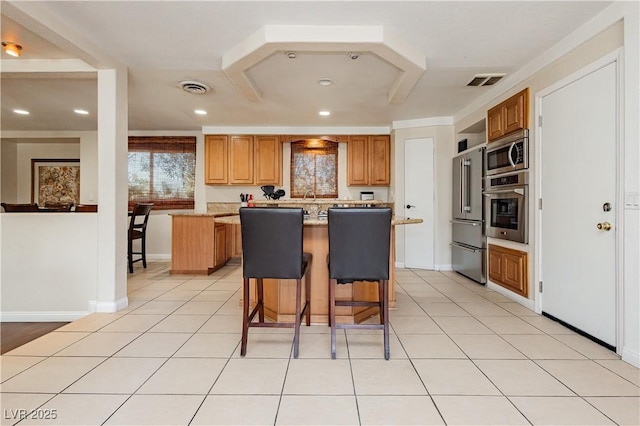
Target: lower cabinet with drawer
[[509, 268]]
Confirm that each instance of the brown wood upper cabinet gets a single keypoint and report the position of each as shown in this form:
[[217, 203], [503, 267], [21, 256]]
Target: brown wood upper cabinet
[[369, 160], [508, 116], [243, 160]]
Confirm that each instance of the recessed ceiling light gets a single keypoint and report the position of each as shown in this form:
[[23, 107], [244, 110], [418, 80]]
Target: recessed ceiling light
[[81, 111], [200, 112], [325, 82], [324, 113], [21, 111], [12, 49], [291, 54]]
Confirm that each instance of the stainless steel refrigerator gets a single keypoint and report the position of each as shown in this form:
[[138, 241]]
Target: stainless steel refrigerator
[[468, 249]]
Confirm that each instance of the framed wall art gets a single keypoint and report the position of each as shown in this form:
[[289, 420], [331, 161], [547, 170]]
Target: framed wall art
[[55, 181]]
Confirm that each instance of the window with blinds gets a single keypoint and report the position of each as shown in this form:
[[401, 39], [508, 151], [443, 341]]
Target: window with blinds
[[314, 167], [162, 171]]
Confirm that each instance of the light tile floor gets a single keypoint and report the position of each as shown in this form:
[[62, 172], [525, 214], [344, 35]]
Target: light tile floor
[[460, 355]]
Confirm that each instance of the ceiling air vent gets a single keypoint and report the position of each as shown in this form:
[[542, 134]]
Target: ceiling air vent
[[485, 79], [194, 87]]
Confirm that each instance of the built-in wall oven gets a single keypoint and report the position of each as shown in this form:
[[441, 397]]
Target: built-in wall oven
[[506, 206], [508, 154]]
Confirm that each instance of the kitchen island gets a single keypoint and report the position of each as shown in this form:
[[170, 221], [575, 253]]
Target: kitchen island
[[280, 299]]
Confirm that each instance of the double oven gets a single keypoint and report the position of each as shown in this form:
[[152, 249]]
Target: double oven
[[506, 188]]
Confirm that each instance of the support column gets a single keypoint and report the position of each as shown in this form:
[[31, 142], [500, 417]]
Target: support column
[[112, 189]]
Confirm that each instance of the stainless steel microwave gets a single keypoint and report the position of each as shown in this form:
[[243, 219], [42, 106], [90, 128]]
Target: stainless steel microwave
[[508, 154]]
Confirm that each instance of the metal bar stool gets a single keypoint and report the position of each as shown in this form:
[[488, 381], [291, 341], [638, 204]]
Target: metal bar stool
[[272, 248], [359, 248]]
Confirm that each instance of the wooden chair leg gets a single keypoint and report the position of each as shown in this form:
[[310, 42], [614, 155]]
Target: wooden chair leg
[[307, 291], [130, 255], [332, 315], [245, 316], [296, 335], [260, 291], [385, 301], [144, 251]]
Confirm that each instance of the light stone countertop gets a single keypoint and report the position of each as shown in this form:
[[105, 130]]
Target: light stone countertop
[[235, 220]]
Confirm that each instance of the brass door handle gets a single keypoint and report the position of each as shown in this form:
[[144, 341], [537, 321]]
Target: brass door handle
[[604, 225]]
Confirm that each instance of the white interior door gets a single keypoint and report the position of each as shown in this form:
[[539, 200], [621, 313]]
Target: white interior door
[[418, 197], [578, 176]]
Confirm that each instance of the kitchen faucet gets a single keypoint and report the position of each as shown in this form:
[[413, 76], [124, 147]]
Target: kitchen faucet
[[309, 192]]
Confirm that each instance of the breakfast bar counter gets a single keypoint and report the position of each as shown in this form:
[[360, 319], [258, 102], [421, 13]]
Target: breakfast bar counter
[[280, 299], [279, 295]]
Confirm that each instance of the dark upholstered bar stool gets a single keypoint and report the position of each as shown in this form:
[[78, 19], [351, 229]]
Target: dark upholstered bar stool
[[359, 240], [272, 248], [138, 231]]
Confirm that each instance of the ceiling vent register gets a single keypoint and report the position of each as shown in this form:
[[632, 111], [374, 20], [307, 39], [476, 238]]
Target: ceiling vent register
[[194, 87], [485, 79]]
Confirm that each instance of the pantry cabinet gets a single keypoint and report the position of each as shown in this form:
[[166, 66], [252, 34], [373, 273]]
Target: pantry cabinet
[[508, 116], [369, 160], [243, 160], [509, 268]]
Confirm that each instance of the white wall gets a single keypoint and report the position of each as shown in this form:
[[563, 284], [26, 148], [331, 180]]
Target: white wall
[[64, 282], [9, 190], [443, 143]]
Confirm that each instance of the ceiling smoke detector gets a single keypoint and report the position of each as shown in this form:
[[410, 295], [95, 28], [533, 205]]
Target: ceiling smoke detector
[[485, 79], [194, 87]]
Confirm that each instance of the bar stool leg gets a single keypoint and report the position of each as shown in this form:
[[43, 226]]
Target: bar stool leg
[[260, 289], [307, 282], [385, 302], [332, 315], [296, 336], [381, 301], [245, 316]]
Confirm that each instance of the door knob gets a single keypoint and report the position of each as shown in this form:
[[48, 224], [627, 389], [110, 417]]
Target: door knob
[[604, 225], [409, 206]]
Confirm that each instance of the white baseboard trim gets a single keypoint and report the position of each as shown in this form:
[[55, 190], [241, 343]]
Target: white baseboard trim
[[445, 267], [159, 256], [108, 307], [399, 265], [44, 316], [511, 295], [631, 356]]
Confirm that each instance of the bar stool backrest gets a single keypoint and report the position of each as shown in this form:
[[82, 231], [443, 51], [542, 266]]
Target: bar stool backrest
[[272, 242], [359, 243]]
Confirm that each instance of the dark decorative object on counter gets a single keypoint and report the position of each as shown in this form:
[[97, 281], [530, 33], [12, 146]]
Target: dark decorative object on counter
[[270, 193]]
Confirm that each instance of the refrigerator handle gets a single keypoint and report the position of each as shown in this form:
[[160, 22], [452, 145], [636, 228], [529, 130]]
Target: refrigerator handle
[[472, 250], [461, 189], [466, 205]]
